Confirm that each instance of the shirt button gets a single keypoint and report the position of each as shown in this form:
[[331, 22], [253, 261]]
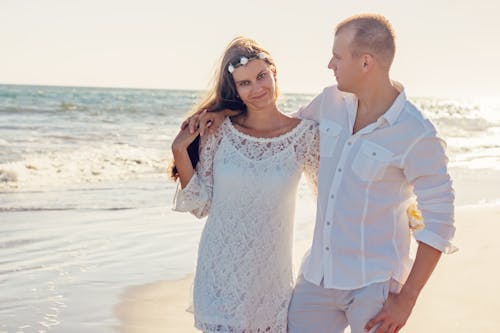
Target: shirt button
[[349, 143], [374, 154], [339, 169], [328, 223], [332, 196], [327, 248], [328, 129]]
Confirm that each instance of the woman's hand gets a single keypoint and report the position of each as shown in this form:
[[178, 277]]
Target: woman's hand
[[183, 140]]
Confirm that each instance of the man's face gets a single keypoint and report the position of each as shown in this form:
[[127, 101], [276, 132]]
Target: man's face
[[346, 68]]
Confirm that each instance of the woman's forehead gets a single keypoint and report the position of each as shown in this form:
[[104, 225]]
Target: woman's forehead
[[250, 70]]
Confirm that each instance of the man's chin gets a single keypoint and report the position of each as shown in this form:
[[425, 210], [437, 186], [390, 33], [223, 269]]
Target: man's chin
[[342, 88]]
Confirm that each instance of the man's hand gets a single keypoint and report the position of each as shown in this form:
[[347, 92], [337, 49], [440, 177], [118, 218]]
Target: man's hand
[[394, 314], [204, 121], [398, 307], [192, 120]]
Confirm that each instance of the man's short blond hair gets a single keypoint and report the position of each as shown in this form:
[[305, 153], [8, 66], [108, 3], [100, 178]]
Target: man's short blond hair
[[373, 34]]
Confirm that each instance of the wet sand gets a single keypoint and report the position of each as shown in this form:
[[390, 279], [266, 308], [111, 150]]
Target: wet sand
[[462, 296]]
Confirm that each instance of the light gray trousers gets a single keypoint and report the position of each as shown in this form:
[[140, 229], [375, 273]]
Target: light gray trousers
[[315, 309]]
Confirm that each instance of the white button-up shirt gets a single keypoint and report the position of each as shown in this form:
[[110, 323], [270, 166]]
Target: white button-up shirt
[[366, 182]]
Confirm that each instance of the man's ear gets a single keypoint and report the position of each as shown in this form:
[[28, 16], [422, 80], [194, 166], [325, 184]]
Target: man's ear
[[367, 61]]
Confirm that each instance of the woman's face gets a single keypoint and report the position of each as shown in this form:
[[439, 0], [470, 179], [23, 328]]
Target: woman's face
[[256, 85]]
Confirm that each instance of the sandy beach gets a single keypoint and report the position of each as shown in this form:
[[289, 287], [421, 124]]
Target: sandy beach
[[161, 306], [89, 241], [462, 295]]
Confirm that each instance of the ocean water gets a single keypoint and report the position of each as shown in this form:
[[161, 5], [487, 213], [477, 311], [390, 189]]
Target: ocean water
[[85, 200]]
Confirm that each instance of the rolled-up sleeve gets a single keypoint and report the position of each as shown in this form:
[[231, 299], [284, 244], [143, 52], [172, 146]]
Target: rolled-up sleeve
[[425, 167]]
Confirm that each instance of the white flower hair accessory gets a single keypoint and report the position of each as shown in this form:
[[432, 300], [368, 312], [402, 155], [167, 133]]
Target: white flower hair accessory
[[244, 60]]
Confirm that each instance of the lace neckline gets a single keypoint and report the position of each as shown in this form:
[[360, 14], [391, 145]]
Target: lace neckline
[[285, 135]]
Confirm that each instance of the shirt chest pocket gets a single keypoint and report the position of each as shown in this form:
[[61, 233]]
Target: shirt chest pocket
[[371, 161], [329, 137]]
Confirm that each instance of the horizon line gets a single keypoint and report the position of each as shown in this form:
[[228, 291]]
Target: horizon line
[[475, 99]]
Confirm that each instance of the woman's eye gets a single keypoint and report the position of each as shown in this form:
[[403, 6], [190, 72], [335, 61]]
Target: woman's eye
[[261, 76], [243, 83]]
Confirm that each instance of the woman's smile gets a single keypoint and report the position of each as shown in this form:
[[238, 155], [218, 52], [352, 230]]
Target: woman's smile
[[260, 96]]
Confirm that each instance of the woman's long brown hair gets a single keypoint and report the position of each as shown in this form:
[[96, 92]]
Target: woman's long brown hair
[[223, 94]]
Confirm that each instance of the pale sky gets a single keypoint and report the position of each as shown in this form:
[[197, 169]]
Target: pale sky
[[445, 48]]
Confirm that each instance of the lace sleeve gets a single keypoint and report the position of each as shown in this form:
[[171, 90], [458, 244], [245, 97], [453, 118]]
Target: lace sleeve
[[196, 197], [307, 149]]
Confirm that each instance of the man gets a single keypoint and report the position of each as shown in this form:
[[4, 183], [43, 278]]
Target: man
[[377, 152]]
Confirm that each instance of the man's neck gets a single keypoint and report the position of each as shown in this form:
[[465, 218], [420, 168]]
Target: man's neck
[[373, 101]]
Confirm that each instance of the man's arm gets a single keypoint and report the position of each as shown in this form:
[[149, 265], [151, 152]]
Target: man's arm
[[310, 111], [425, 167], [398, 307]]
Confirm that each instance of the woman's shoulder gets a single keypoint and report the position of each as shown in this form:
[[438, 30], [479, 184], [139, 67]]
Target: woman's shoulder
[[216, 136], [300, 123], [309, 122], [309, 126], [302, 127], [309, 135]]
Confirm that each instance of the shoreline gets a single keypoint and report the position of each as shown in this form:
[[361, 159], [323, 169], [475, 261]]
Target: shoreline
[[156, 307], [463, 290], [161, 306]]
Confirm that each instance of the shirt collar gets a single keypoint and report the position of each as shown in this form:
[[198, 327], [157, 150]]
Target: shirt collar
[[391, 115]]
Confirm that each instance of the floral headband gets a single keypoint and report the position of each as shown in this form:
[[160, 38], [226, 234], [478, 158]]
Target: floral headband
[[244, 60]]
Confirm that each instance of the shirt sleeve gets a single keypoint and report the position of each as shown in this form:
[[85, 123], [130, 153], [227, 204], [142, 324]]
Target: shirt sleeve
[[310, 111], [307, 149], [425, 167], [196, 197]]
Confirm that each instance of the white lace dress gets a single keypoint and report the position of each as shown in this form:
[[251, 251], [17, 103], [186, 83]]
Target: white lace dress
[[247, 187]]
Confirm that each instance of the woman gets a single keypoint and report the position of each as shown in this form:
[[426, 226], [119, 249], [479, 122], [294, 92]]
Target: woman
[[246, 182]]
